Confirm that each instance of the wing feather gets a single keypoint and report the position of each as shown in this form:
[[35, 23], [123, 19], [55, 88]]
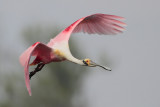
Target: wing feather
[[36, 49], [100, 24]]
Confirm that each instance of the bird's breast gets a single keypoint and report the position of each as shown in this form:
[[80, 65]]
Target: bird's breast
[[58, 56], [58, 53], [61, 50]]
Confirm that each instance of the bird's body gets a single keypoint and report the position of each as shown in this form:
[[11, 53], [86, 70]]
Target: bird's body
[[58, 49]]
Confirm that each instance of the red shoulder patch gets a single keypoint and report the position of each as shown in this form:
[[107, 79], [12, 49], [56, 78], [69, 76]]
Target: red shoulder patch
[[35, 43], [68, 28]]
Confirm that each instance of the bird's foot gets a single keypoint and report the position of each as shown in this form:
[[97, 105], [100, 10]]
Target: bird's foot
[[37, 69]]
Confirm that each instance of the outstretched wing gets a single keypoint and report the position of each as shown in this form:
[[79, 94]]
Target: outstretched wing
[[100, 24], [93, 24], [39, 50]]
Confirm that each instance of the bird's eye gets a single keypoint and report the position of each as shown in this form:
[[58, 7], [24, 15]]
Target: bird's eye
[[85, 62]]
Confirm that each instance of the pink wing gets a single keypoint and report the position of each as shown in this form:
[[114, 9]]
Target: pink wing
[[93, 24], [39, 50], [100, 24]]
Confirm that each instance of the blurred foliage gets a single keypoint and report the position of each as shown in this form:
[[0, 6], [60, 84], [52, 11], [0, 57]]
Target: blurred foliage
[[54, 86]]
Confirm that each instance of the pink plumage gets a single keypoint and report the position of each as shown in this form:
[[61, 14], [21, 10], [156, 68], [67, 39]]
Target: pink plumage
[[41, 51], [94, 24], [100, 24]]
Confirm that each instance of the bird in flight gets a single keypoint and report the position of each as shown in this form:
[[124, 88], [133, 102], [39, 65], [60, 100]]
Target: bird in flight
[[57, 49]]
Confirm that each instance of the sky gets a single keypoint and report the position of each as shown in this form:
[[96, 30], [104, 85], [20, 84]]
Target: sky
[[132, 55]]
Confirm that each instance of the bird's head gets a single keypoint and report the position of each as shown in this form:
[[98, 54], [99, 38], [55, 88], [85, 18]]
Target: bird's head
[[90, 63]]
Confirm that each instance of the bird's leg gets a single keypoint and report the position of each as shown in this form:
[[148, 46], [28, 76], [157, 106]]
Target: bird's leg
[[38, 68]]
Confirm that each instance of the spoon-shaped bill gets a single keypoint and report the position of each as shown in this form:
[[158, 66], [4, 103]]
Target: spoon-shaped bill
[[93, 64]]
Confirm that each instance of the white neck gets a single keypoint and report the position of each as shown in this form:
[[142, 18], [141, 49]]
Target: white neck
[[75, 60], [63, 47]]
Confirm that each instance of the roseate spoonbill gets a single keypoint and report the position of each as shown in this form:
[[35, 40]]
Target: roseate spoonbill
[[58, 49]]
